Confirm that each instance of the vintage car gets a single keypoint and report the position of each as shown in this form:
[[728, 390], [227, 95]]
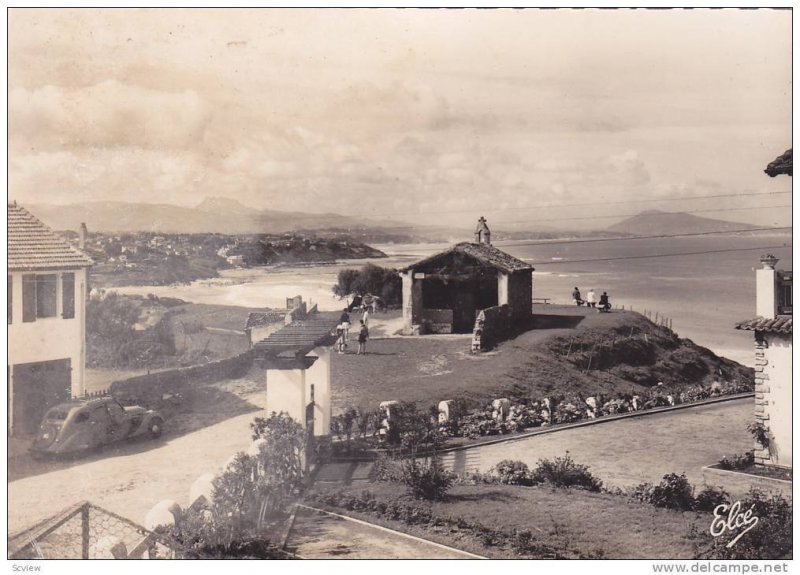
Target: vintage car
[[87, 424]]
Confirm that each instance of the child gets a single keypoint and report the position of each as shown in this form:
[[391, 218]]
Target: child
[[363, 336]]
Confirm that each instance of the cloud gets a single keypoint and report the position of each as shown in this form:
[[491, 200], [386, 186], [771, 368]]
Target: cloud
[[108, 114]]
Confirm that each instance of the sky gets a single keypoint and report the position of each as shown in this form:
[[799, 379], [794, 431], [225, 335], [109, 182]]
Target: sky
[[555, 118]]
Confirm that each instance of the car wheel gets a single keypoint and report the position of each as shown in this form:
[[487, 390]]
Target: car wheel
[[156, 427]]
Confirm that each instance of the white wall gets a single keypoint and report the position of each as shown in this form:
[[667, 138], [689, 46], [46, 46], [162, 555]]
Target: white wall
[[319, 375], [766, 293], [779, 397], [51, 338], [289, 390], [286, 391]]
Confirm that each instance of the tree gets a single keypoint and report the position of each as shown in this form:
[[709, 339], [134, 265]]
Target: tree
[[370, 279], [253, 491]]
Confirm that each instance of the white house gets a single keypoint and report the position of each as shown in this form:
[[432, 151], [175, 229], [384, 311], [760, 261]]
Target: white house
[[47, 286], [773, 341]]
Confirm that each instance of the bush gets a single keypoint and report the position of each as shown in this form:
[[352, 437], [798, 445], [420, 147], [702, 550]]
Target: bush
[[386, 468], [674, 492], [770, 539], [737, 462], [709, 498], [564, 472], [427, 480], [510, 472]]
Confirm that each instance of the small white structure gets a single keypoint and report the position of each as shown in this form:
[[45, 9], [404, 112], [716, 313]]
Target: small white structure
[[163, 514], [203, 487], [297, 362], [500, 409], [773, 379], [445, 410]]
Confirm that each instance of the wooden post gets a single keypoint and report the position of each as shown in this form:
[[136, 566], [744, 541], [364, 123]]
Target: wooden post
[[85, 531]]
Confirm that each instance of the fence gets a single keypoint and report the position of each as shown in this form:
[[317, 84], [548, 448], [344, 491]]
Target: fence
[[86, 531], [654, 316]]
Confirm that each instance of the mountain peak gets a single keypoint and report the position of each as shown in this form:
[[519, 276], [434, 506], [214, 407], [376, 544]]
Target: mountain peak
[[659, 222], [221, 204]]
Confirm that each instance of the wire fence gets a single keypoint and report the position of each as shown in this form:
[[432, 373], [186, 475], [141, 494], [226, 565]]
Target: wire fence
[[86, 531]]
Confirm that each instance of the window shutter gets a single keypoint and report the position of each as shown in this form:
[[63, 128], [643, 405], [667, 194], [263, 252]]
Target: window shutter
[[28, 298], [68, 295]]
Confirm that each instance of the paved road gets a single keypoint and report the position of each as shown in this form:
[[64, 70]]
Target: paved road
[[318, 535], [630, 451]]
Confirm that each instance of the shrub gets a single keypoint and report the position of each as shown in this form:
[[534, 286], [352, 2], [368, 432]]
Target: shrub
[[737, 462], [510, 472], [759, 433], [386, 468], [674, 492], [427, 480], [770, 539], [709, 498], [564, 472]]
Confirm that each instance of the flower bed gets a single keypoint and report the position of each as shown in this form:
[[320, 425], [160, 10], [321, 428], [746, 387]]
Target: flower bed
[[359, 431]]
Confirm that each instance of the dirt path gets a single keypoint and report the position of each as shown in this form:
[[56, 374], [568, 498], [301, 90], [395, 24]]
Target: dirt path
[[320, 535], [129, 479]]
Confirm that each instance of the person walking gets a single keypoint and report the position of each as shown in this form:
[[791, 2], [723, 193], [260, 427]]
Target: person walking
[[344, 320], [591, 298], [363, 336], [340, 343], [365, 317], [576, 295]]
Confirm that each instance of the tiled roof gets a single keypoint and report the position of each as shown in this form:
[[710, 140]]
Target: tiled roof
[[300, 337], [484, 253], [34, 246], [262, 318], [780, 165], [780, 324]]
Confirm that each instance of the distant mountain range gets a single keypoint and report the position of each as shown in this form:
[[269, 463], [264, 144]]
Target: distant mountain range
[[655, 222], [228, 216]]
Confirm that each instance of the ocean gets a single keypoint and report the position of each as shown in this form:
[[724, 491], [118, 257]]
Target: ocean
[[704, 284]]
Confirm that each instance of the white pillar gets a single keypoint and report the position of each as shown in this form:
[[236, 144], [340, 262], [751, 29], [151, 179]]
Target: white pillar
[[766, 293], [286, 391], [319, 375], [502, 288]]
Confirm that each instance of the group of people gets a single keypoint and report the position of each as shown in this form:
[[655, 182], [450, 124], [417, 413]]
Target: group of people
[[343, 332], [603, 305]]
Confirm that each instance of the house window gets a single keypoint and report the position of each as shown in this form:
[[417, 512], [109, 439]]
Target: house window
[[46, 302], [39, 296], [68, 295], [10, 300]]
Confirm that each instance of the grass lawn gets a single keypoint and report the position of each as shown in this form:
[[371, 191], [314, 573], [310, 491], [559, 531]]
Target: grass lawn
[[432, 368], [576, 522]]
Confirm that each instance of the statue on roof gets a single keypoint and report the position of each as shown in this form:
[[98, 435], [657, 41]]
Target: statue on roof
[[482, 233]]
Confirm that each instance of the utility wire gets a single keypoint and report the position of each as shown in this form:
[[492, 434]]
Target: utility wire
[[593, 240], [580, 204], [658, 255]]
